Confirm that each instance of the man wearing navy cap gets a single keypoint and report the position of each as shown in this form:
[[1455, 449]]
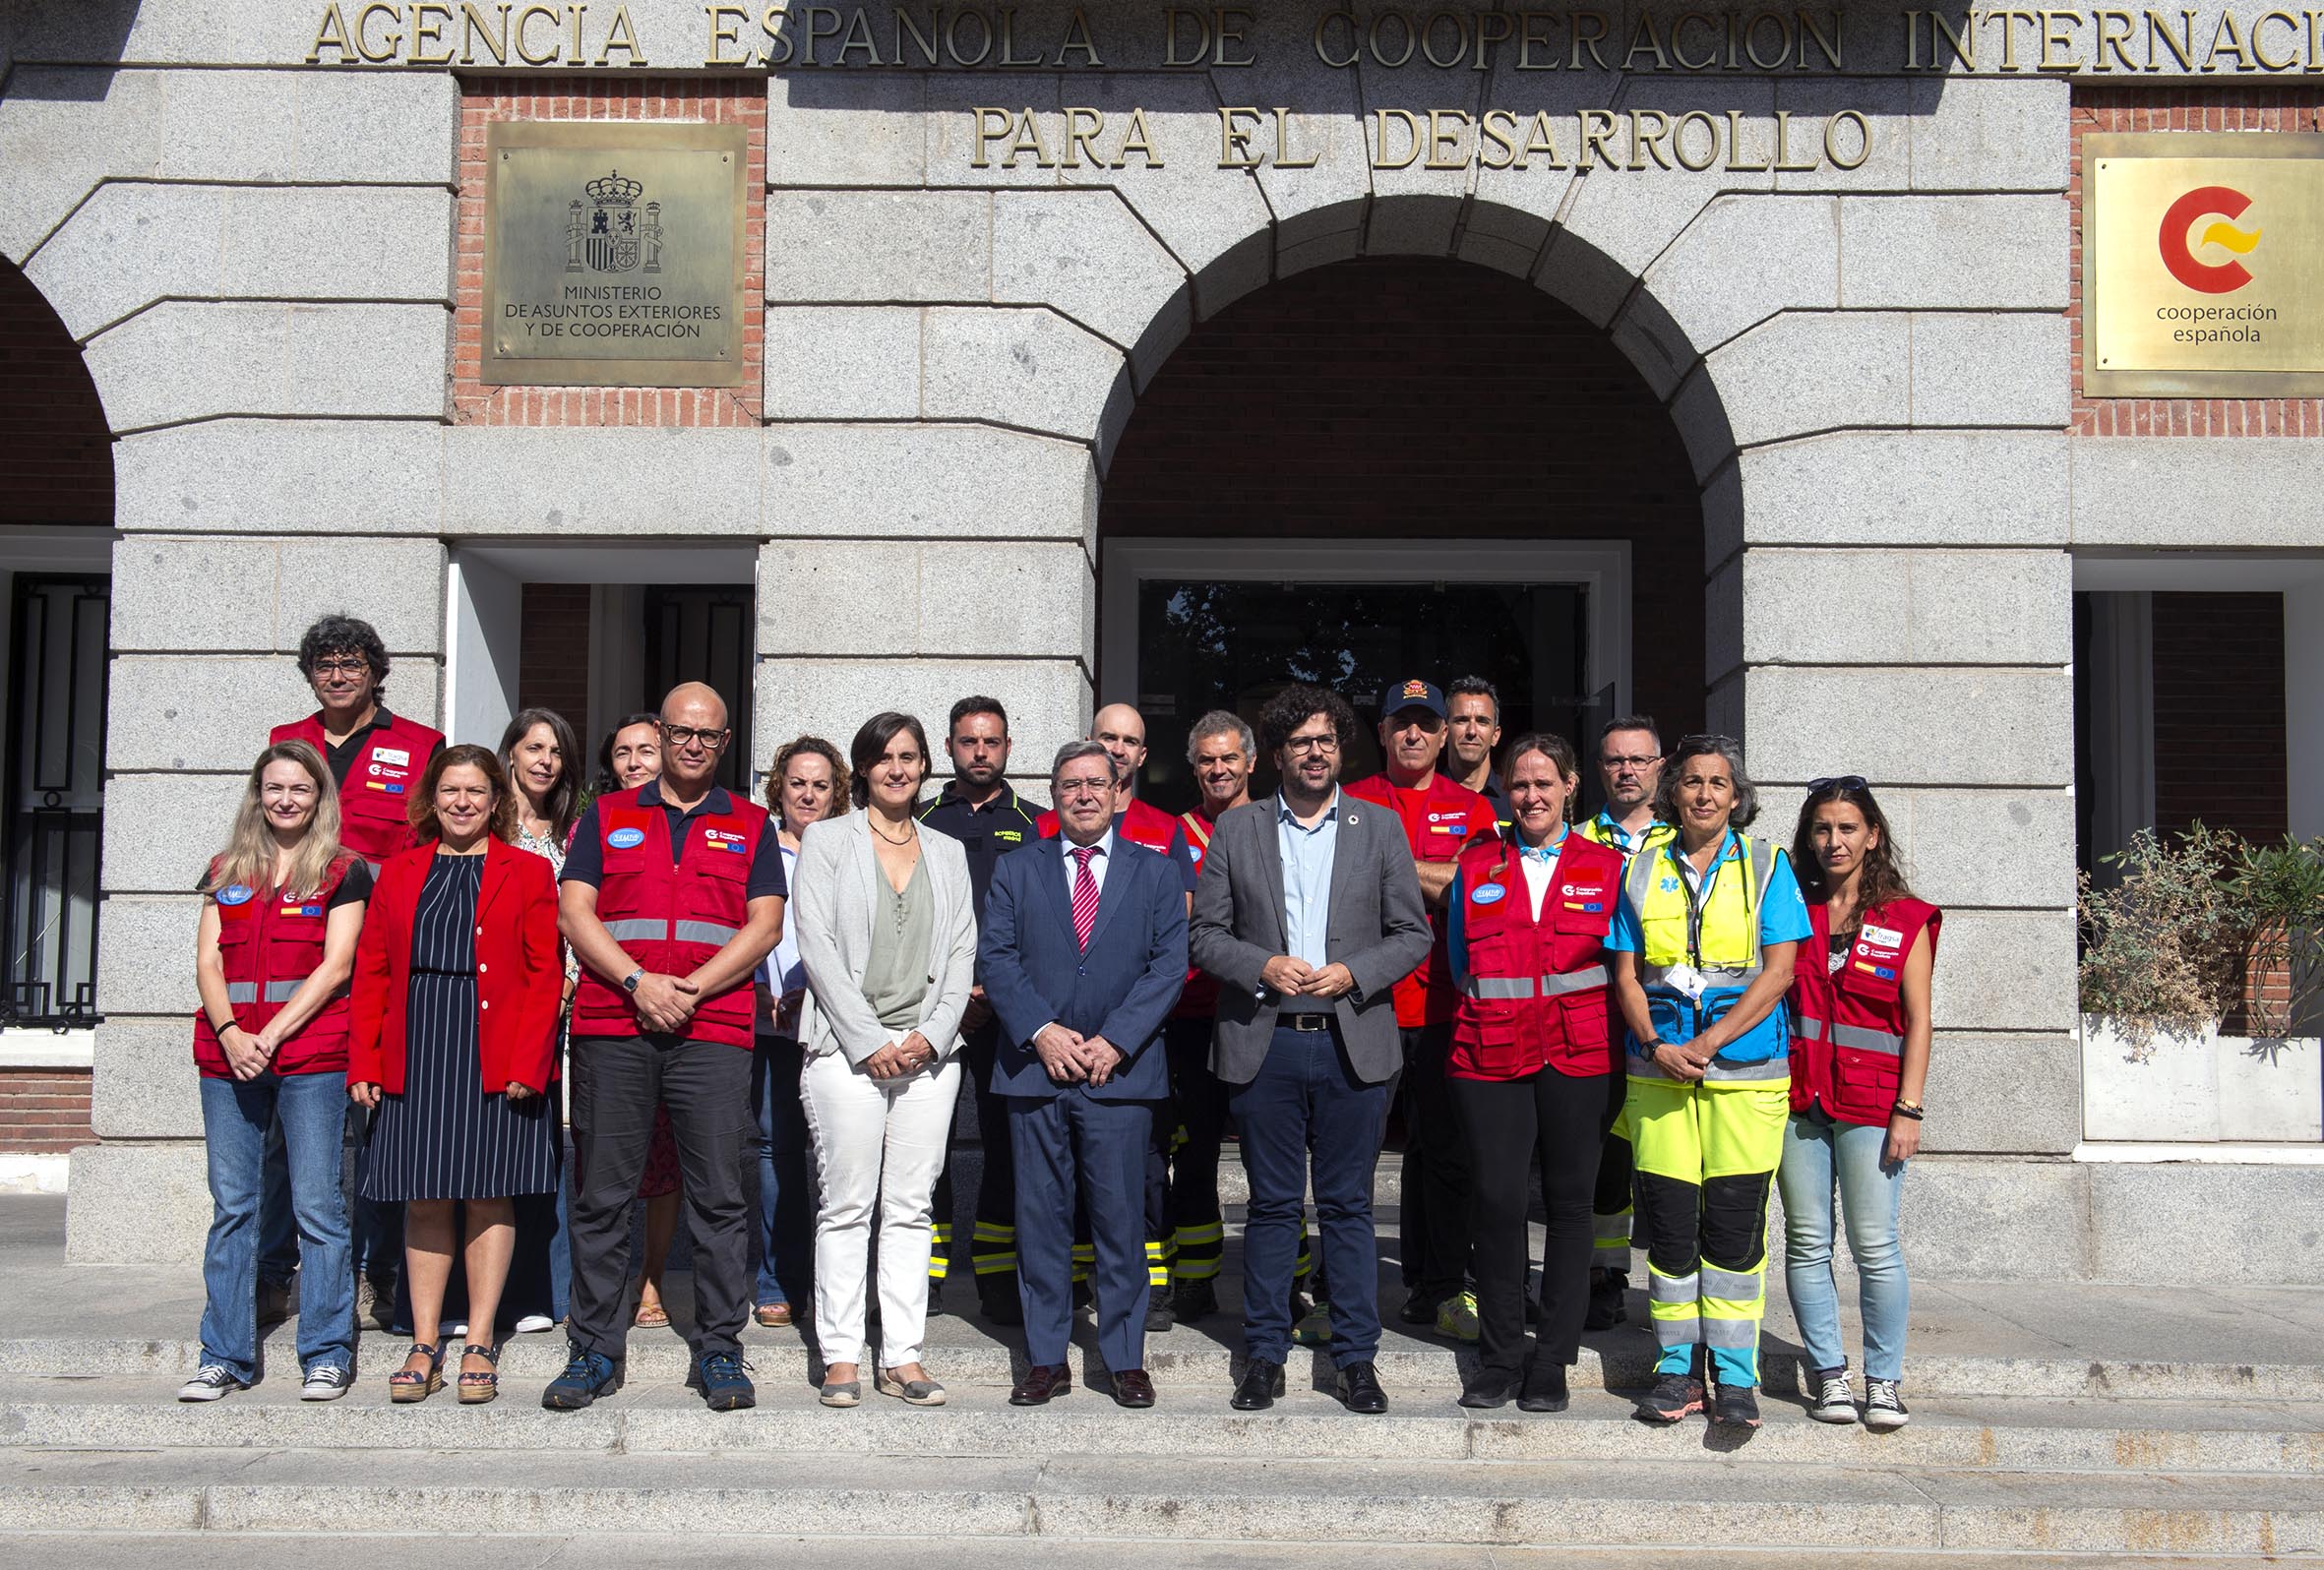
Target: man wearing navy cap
[[1440, 818]]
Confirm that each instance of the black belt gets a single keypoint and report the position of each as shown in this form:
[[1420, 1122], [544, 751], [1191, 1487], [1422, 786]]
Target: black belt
[[1303, 1022]]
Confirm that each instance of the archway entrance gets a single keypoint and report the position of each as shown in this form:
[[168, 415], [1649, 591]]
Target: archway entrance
[[1390, 467]]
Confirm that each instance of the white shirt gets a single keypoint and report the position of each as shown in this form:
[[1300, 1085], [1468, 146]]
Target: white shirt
[[1097, 863]]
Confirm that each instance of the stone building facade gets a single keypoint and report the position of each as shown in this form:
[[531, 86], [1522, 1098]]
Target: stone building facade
[[1834, 264]]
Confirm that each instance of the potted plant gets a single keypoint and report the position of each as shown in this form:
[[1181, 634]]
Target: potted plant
[[2202, 927]]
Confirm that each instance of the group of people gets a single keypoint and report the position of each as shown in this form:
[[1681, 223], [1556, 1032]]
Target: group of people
[[438, 935]]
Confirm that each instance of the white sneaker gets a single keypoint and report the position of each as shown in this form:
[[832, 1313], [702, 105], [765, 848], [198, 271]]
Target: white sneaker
[[534, 1324], [211, 1381], [1884, 1410], [325, 1381], [1835, 1399]]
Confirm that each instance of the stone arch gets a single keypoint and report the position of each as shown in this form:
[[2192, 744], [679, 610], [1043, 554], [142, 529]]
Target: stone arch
[[52, 420]]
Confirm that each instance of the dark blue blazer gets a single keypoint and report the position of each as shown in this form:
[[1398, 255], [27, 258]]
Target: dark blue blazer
[[1123, 989]]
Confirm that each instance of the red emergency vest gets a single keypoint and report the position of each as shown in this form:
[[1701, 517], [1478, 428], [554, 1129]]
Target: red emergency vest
[[1848, 1030], [1199, 998], [375, 803], [1536, 991], [672, 919], [267, 944]]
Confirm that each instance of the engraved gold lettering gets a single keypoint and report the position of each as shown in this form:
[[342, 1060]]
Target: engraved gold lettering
[[1171, 17], [389, 42], [1783, 41], [1734, 145], [1597, 35], [1283, 157], [2289, 62], [1597, 133], [1710, 136], [428, 22], [1828, 48], [1448, 129], [984, 45], [1784, 161], [1863, 139], [1646, 143], [1541, 136], [925, 42], [1490, 139], [1461, 38], [722, 32], [1141, 139], [778, 38], [2227, 39], [1080, 140], [1008, 54], [992, 125], [525, 20], [1077, 37], [1222, 34], [1410, 42], [2055, 43], [331, 34], [623, 36], [858, 36], [2111, 41], [2182, 47], [1708, 62], [1527, 39], [1379, 143], [1492, 27], [1234, 138], [1322, 50], [1646, 38]]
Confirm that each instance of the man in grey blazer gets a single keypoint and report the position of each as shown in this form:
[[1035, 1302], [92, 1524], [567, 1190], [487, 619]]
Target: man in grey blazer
[[1308, 912]]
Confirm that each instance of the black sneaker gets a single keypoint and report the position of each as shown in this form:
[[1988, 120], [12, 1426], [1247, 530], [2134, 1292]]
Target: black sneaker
[[723, 1384], [587, 1377], [1002, 1306], [1159, 1314], [1737, 1406], [1607, 1306], [1673, 1396], [1885, 1408], [1835, 1399], [936, 1299], [1419, 1309], [1544, 1387], [1194, 1300]]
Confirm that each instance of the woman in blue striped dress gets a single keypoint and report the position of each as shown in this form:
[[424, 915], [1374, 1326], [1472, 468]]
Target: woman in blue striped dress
[[458, 985]]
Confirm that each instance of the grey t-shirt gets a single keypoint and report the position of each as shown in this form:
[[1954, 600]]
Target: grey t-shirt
[[895, 972]]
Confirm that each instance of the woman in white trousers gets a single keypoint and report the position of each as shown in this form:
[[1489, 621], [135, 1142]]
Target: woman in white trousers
[[886, 933]]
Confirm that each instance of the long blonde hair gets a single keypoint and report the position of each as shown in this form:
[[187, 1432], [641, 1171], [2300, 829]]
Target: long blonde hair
[[249, 856]]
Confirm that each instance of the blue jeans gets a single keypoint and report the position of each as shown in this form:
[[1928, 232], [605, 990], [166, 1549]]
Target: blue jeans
[[1818, 1152], [236, 1114], [1304, 1113], [783, 1243]]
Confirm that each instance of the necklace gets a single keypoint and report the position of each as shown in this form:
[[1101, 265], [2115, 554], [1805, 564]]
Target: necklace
[[909, 832]]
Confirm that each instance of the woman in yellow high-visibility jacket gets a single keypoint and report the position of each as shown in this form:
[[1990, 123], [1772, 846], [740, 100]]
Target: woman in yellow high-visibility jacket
[[1702, 947]]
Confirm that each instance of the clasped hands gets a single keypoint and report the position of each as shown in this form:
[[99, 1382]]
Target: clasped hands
[[1690, 1059], [1293, 976], [665, 1003], [1073, 1059], [900, 1058]]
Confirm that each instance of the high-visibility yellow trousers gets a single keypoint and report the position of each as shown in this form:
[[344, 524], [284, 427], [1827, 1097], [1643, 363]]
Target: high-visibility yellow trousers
[[1706, 1155]]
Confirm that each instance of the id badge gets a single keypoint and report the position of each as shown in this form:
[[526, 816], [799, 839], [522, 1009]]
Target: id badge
[[1686, 978]]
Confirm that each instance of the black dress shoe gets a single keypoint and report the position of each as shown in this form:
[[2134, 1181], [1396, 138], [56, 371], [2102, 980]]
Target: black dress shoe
[[1487, 1391], [1545, 1388], [1359, 1388], [1002, 1308], [1419, 1309], [1131, 1388], [1159, 1314], [1262, 1383], [1194, 1300], [1041, 1384]]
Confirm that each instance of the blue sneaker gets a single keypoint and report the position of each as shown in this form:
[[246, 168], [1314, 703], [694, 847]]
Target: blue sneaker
[[587, 1376], [720, 1378]]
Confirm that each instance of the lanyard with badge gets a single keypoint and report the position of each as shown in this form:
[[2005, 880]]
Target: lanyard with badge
[[1687, 977]]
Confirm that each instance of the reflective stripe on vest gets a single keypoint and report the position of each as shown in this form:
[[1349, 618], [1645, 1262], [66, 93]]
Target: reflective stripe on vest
[[1639, 885], [1520, 988], [714, 933], [651, 929], [242, 992], [1856, 1037], [637, 930]]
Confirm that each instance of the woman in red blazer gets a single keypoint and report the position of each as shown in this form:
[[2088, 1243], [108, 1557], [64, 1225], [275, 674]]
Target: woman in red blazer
[[453, 1035]]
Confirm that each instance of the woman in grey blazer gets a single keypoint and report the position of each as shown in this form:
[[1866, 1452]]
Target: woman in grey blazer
[[886, 933]]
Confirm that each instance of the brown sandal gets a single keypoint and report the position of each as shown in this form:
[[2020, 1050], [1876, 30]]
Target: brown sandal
[[475, 1389], [651, 1317], [409, 1384], [773, 1315]]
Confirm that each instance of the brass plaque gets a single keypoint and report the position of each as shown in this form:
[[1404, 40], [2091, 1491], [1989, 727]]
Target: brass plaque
[[613, 254], [2203, 265]]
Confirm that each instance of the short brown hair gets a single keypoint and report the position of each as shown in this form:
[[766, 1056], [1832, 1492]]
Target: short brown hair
[[502, 826], [842, 780]]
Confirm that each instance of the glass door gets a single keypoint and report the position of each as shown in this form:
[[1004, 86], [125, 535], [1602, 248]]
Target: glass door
[[53, 799]]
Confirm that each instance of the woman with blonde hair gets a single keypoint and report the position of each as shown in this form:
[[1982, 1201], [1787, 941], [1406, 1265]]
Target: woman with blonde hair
[[458, 985], [807, 784], [280, 917]]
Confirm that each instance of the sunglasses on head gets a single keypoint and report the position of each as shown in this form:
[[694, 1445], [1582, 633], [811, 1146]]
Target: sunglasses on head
[[1843, 782]]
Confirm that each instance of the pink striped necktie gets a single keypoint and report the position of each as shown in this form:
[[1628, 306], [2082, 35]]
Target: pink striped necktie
[[1085, 894]]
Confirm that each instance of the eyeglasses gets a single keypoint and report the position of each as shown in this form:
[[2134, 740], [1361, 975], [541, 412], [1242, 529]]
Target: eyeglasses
[[1079, 788], [1844, 782], [1630, 760], [1300, 746], [684, 735], [354, 667]]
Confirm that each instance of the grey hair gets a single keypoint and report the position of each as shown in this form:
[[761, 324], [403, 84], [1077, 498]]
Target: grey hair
[[1078, 749], [1728, 750], [1218, 722]]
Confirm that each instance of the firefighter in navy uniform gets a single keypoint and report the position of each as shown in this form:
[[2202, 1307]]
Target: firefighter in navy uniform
[[982, 811]]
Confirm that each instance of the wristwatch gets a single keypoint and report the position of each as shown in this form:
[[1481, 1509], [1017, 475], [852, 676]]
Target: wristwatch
[[630, 982]]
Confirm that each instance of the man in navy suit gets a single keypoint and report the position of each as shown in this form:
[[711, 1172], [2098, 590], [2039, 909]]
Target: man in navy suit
[[1082, 954]]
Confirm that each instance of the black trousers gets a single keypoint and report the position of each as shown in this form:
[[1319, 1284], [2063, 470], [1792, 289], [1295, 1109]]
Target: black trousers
[[1433, 1219], [1563, 1118], [992, 1244], [707, 1085], [1196, 1229]]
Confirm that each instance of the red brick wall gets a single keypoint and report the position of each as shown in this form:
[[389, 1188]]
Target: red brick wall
[[59, 450], [2146, 108], [2218, 713], [717, 103], [1384, 399], [43, 1110], [553, 656]]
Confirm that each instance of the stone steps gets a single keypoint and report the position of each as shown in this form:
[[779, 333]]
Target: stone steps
[[1725, 1499], [1204, 1358], [1423, 1427]]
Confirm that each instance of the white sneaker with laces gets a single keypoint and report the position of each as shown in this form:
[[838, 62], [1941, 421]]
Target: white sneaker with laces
[[1884, 1410], [1835, 1399], [325, 1381], [209, 1382], [534, 1324]]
